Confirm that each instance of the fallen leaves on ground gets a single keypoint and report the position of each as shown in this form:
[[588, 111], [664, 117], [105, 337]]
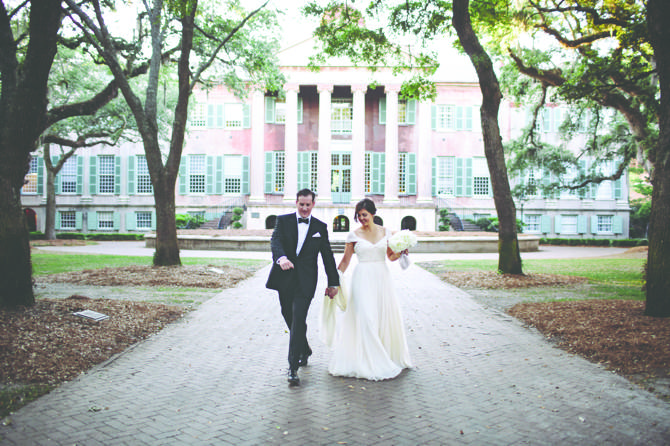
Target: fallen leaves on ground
[[187, 276], [495, 280], [48, 344]]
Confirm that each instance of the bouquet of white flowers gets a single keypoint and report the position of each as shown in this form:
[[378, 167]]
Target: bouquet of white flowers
[[401, 241]]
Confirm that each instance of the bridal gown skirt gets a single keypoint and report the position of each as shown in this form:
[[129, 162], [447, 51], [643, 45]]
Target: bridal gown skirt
[[370, 341]]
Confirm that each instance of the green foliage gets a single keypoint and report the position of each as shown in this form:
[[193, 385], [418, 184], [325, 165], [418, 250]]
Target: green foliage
[[639, 217], [188, 221], [101, 236], [238, 211], [444, 223], [237, 225], [14, 397], [37, 235], [594, 242], [491, 224]]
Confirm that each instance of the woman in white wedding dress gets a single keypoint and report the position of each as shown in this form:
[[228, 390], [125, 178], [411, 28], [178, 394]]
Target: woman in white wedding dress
[[370, 340]]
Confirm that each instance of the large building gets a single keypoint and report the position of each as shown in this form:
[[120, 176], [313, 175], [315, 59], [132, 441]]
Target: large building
[[346, 133]]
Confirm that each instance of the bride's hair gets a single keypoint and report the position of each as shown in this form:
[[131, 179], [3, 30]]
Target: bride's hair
[[366, 204]]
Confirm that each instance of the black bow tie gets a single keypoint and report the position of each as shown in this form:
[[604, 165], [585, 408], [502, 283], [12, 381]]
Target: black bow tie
[[303, 220]]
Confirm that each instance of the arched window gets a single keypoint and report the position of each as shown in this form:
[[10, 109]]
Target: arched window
[[408, 222], [270, 222], [31, 219], [341, 224]]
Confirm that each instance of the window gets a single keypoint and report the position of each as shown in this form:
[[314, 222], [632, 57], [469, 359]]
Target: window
[[532, 181], [275, 110], [280, 111], [375, 163], [105, 220], [341, 116], [31, 178], [314, 171], [143, 179], [68, 220], [68, 176], [274, 172], [232, 174], [568, 224], [105, 174], [234, 116], [368, 173], [453, 118], [402, 173], [196, 174], [445, 176], [569, 178], [532, 223], [480, 177], [199, 115], [143, 220], [605, 224]]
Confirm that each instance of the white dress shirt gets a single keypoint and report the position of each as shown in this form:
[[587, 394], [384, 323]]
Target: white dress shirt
[[302, 233]]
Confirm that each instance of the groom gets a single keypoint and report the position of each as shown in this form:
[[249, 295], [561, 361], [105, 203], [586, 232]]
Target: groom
[[297, 240]]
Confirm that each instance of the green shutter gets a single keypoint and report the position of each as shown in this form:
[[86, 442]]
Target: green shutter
[[246, 116], [545, 224], [468, 119], [581, 224], [92, 221], [469, 180], [299, 110], [617, 224], [594, 224], [209, 176], [182, 175], [131, 175], [40, 175], [93, 175], [54, 161], [220, 116], [557, 224], [78, 220], [382, 110], [57, 222], [411, 176], [618, 193], [269, 109], [245, 175], [433, 117], [116, 217], [220, 162], [459, 118], [411, 111], [582, 171], [382, 173], [269, 171], [433, 174], [460, 178], [211, 116], [546, 120], [131, 221], [304, 169], [117, 175], [80, 175], [153, 220]]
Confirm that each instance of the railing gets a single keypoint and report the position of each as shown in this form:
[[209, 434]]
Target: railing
[[462, 213], [225, 209]]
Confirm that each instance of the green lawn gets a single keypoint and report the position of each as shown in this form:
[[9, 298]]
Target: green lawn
[[609, 278], [62, 263]]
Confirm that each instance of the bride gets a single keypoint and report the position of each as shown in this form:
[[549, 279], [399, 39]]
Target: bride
[[371, 340]]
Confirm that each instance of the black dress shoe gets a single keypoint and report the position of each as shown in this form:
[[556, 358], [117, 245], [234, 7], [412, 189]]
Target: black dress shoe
[[293, 378], [302, 361]]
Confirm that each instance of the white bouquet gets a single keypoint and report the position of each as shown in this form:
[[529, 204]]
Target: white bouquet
[[401, 241]]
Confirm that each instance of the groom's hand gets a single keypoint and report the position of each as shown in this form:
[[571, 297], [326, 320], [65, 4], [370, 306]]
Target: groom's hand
[[284, 263], [331, 291]]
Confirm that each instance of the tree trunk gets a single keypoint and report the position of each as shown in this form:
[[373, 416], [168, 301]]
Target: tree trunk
[[22, 119], [509, 258], [658, 260], [167, 246], [50, 220]]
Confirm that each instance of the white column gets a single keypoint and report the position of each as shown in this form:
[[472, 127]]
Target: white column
[[256, 158], [424, 175], [358, 143], [391, 173], [291, 143], [325, 91]]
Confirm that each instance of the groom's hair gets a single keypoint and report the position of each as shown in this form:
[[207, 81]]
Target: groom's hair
[[305, 193]]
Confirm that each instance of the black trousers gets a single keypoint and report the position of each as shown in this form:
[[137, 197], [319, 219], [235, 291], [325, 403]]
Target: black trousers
[[294, 308]]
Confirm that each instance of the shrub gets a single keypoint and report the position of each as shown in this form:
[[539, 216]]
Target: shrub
[[238, 211], [237, 225], [187, 221], [37, 235], [236, 217]]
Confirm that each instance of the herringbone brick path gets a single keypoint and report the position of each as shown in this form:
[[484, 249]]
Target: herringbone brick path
[[218, 378]]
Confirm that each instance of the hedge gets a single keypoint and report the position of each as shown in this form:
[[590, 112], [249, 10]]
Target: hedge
[[594, 242], [103, 236]]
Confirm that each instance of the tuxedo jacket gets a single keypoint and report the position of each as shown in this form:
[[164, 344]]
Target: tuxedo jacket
[[303, 277]]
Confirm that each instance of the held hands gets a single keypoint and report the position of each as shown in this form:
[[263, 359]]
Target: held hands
[[331, 291]]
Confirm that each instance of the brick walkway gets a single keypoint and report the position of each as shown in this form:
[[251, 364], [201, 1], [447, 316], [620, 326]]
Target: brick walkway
[[218, 377]]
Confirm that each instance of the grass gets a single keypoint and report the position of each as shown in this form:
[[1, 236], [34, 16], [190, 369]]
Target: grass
[[609, 278], [44, 263], [13, 398]]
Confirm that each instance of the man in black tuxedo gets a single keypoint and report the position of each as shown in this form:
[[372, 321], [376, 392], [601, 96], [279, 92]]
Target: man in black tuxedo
[[297, 240]]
